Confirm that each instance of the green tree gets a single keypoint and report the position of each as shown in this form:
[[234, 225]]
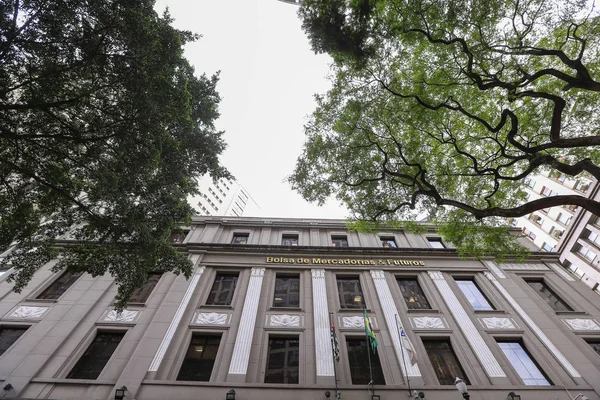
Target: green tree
[[446, 108], [103, 127]]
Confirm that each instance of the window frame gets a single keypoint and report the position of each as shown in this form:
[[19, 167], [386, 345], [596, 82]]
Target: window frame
[[14, 326], [425, 291], [265, 364], [84, 346], [435, 239], [300, 289], [236, 234], [184, 349], [290, 236], [349, 275], [559, 294], [143, 303], [214, 278], [460, 358], [356, 337], [483, 293], [334, 237], [35, 295], [532, 358], [383, 239]]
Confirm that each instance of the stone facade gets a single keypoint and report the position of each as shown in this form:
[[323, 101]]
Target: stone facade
[[157, 333]]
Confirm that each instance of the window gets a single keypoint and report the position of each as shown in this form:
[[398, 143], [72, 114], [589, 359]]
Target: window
[[289, 240], [178, 237], [200, 358], [547, 246], [536, 219], [413, 294], [586, 253], [9, 335], [595, 344], [474, 295], [388, 242], [222, 290], [350, 291], [141, 294], [283, 360], [582, 186], [60, 285], [529, 182], [557, 233], [339, 241], [594, 238], [529, 233], [436, 243], [444, 361], [287, 291], [240, 238], [563, 218], [95, 358], [358, 361], [555, 302], [596, 288], [547, 192], [526, 367]]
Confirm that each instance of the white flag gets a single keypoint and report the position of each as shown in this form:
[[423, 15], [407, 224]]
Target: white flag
[[405, 342]]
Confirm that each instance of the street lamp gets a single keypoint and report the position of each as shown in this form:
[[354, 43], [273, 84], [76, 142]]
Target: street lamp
[[120, 393], [461, 386], [230, 395], [514, 396]]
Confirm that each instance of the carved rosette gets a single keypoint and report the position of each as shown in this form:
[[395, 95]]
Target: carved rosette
[[582, 324], [28, 312], [125, 316], [211, 318], [497, 323], [284, 320], [428, 323]]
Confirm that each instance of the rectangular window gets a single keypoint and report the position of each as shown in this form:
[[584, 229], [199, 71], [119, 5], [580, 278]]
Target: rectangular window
[[178, 237], [413, 294], [141, 294], [222, 290], [595, 344], [287, 291], [358, 360], [594, 238], [536, 219], [350, 292], [200, 358], [283, 360], [547, 247], [586, 253], [444, 361], [388, 242], [563, 218], [548, 295], [474, 295], [60, 285], [95, 358], [436, 243], [289, 240], [523, 363], [240, 238], [339, 241], [9, 335]]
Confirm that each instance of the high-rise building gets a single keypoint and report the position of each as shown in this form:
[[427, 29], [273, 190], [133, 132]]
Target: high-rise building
[[295, 308], [222, 197], [546, 227]]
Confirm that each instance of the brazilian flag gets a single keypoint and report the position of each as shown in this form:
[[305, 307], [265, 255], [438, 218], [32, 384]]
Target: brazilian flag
[[369, 332]]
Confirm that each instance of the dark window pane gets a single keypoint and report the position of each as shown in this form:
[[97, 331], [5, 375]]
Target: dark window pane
[[473, 294], [60, 285], [287, 291], [522, 362], [9, 335], [283, 360], [413, 294], [141, 294], [199, 359], [548, 295], [388, 242], [240, 238], [348, 290], [95, 358], [289, 240], [444, 361], [358, 360], [595, 345], [222, 290], [339, 241], [178, 237]]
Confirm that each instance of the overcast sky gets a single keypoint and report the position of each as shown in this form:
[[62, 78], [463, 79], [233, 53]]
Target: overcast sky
[[268, 78]]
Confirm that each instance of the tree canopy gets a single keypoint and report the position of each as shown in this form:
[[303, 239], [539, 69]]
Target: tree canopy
[[445, 108], [104, 126]]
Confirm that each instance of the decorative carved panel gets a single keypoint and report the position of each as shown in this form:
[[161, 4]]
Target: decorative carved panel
[[28, 312], [428, 323], [211, 318], [126, 316], [353, 322], [498, 323], [284, 320], [582, 324], [524, 267]]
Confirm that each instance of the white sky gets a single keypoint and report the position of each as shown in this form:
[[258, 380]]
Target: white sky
[[268, 78]]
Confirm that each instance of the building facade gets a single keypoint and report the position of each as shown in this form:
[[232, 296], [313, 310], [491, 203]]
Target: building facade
[[255, 318], [222, 197]]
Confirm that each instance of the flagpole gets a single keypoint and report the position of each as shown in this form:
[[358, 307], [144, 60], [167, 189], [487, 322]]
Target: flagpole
[[403, 358], [331, 333], [368, 351]]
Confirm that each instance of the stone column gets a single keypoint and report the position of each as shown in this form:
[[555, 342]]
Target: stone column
[[324, 356]]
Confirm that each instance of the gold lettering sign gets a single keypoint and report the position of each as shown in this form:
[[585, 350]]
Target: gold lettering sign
[[344, 261]]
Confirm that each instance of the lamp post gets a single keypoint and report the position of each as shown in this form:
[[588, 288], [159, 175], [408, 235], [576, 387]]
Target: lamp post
[[461, 386]]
